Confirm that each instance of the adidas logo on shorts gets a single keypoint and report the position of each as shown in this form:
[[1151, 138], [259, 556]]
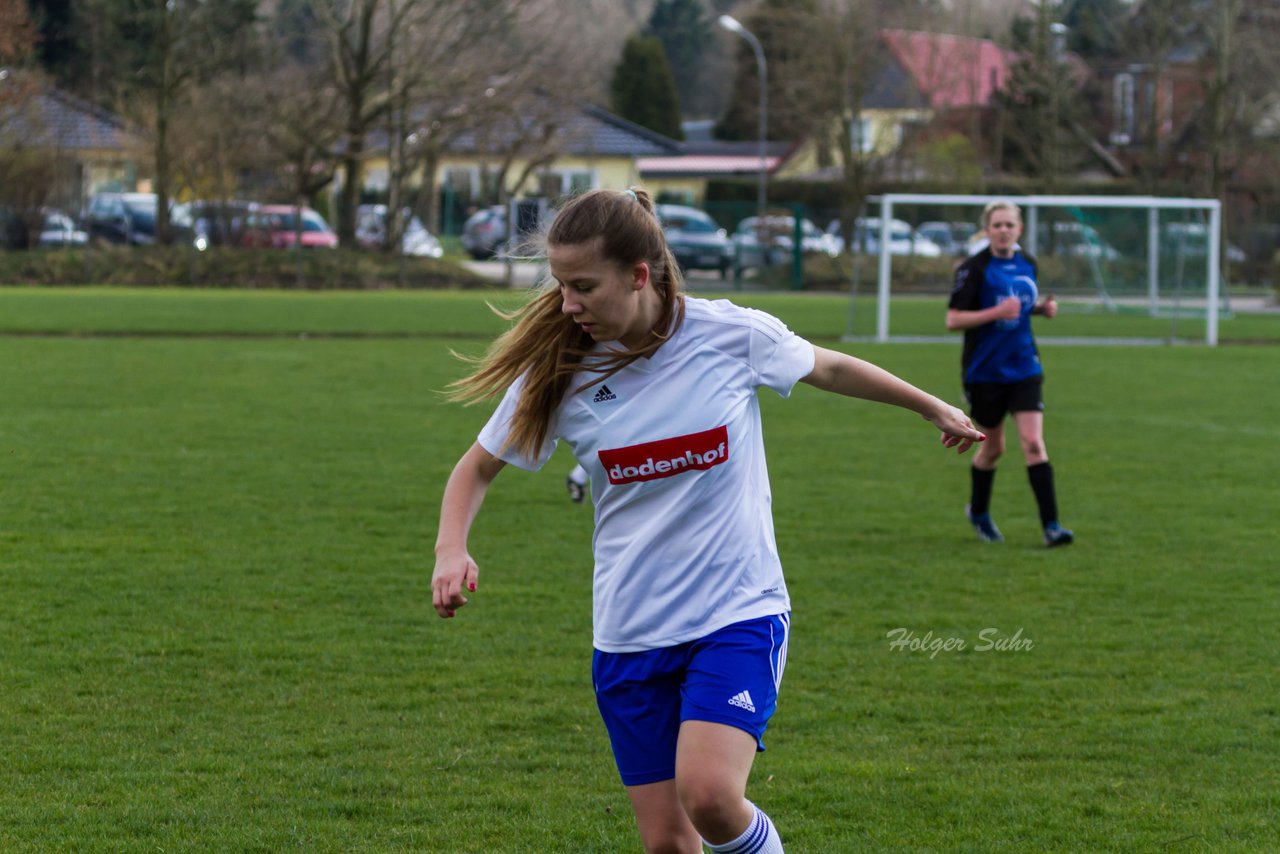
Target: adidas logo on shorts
[[743, 701]]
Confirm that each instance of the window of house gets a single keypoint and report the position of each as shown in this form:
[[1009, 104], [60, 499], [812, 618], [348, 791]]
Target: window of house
[[862, 134], [463, 182], [1122, 109], [555, 183]]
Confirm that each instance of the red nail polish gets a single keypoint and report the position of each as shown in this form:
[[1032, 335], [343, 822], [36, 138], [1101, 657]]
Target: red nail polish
[[472, 587]]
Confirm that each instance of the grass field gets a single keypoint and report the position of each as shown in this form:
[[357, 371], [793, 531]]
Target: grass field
[[216, 522]]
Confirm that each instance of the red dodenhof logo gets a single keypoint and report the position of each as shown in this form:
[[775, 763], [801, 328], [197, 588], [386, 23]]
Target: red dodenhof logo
[[667, 457]]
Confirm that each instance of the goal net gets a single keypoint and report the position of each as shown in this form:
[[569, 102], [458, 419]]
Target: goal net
[[1153, 260]]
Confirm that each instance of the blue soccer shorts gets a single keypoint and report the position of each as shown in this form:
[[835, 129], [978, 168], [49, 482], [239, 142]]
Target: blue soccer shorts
[[729, 677]]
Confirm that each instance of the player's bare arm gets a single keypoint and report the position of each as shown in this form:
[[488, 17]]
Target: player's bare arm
[[1006, 309], [463, 496], [844, 374]]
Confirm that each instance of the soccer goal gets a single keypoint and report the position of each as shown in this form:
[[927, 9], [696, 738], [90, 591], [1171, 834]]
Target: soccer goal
[[1156, 260]]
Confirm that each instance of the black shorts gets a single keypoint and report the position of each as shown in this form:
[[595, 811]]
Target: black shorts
[[990, 402]]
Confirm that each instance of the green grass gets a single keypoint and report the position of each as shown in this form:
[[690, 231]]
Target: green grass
[[216, 632]]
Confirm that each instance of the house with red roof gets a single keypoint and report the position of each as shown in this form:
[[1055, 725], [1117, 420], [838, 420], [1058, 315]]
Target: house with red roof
[[923, 77], [927, 83]]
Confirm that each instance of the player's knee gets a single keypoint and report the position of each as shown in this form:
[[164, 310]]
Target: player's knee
[[990, 450], [1033, 449], [713, 811]]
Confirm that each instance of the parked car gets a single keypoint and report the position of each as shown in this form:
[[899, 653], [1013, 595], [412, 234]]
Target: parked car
[[56, 229], [1192, 240], [903, 239], [371, 232], [219, 222], [695, 239], [771, 241], [484, 232], [130, 218], [278, 227], [1073, 238], [952, 237], [60, 230]]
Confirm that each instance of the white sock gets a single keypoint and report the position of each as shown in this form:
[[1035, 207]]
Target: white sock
[[760, 837], [578, 475]]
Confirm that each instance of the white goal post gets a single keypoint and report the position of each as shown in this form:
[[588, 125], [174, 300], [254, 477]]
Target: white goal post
[[1032, 205]]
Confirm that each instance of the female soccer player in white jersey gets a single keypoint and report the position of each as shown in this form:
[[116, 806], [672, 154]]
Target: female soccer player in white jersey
[[655, 393]]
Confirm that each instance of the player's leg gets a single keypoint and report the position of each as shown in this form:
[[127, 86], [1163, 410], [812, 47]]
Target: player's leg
[[988, 405], [576, 483], [1028, 415], [639, 699], [731, 692], [664, 826], [1030, 424], [712, 767]]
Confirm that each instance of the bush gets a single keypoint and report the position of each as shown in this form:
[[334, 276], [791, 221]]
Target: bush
[[217, 267]]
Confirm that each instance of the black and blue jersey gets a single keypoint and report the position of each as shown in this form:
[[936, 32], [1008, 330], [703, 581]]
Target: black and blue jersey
[[1003, 351]]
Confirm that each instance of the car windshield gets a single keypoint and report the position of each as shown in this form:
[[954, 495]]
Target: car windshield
[[287, 222], [142, 211], [692, 225]]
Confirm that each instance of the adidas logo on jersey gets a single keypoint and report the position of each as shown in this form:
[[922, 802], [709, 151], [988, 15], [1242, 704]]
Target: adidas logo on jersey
[[604, 394], [743, 701]]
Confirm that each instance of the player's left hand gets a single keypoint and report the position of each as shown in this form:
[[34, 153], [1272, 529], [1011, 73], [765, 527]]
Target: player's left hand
[[1049, 308], [957, 430]]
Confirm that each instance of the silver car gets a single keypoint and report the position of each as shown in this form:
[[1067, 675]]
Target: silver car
[[485, 232]]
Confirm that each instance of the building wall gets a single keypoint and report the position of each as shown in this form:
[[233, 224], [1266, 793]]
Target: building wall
[[466, 175]]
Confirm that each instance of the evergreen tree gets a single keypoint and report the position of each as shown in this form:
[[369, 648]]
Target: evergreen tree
[[1094, 26], [57, 50], [643, 89], [686, 35], [1041, 105], [773, 23]]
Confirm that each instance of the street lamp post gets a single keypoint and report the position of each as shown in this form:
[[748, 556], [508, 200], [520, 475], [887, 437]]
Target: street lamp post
[[732, 25]]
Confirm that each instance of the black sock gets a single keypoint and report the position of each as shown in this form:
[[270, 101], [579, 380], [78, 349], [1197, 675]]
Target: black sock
[[1041, 476], [980, 482]]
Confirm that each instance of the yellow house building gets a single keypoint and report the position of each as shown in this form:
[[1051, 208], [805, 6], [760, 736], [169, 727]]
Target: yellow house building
[[88, 148], [564, 150]]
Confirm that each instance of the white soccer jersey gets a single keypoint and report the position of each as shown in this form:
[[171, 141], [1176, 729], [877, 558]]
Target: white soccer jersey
[[683, 541]]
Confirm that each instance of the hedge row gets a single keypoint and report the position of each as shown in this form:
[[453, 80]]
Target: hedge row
[[231, 268]]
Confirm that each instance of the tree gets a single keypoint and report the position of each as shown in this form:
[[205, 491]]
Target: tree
[[1094, 27], [824, 58], [1041, 107], [445, 75], [643, 89], [161, 51], [18, 34], [769, 22], [684, 28], [356, 38], [28, 154], [1241, 102]]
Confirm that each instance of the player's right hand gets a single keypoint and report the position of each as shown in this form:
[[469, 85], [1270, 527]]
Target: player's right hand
[[453, 572], [1008, 308]]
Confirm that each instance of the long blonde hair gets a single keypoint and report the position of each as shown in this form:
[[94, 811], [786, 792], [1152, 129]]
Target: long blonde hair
[[545, 345]]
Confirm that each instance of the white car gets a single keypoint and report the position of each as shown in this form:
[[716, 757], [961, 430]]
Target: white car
[[1074, 238], [371, 229], [1192, 240], [777, 234], [60, 230], [903, 239]]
